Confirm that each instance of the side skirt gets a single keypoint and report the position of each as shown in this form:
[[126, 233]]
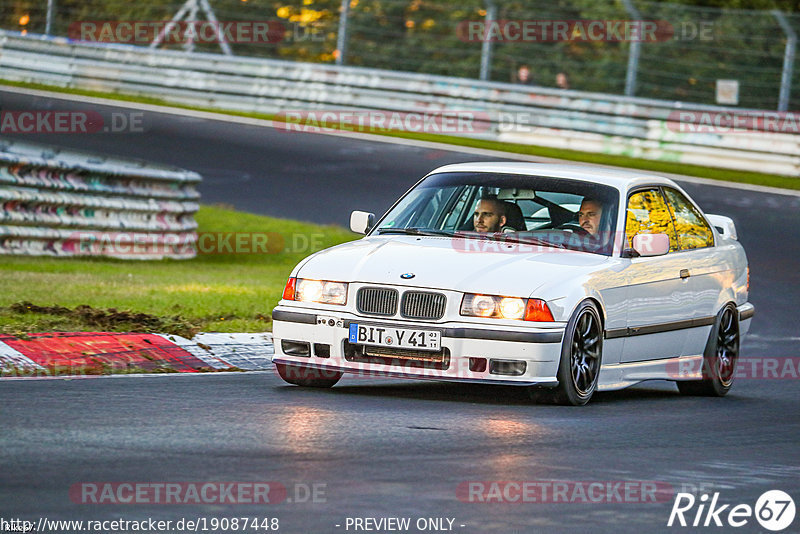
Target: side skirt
[[623, 375]]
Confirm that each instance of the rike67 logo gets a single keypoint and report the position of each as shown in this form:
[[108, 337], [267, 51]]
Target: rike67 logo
[[774, 510]]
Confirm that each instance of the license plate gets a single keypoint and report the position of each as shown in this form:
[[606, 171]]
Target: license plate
[[388, 336]]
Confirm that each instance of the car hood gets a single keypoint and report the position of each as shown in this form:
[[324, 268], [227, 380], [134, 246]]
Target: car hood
[[465, 265]]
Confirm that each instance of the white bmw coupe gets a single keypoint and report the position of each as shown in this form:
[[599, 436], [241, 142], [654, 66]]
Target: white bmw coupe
[[563, 279]]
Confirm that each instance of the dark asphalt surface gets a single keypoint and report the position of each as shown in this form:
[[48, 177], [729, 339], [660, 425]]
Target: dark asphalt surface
[[396, 448]]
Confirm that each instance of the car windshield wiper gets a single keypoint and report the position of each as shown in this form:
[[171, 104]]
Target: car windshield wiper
[[535, 241], [415, 231]]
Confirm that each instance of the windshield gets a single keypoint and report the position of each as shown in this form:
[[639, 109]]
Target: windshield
[[553, 212]]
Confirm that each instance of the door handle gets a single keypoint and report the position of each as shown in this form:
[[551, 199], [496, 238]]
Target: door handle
[[685, 273]]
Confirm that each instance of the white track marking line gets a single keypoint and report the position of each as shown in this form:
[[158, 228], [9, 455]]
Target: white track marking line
[[10, 355], [248, 351]]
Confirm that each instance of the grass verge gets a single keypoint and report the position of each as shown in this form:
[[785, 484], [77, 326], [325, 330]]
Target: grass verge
[[729, 175], [214, 292]]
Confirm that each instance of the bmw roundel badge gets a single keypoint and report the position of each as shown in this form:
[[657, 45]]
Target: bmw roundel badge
[[407, 276]]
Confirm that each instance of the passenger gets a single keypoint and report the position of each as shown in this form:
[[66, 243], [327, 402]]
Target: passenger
[[490, 215]]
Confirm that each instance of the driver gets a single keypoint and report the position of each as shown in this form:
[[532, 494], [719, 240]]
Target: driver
[[589, 216], [490, 215]]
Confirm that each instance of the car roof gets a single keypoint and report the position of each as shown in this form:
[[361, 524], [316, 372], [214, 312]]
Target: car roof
[[621, 179]]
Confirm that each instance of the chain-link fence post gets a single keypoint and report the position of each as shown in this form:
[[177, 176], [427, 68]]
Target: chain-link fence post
[[788, 60], [486, 47], [341, 38], [633, 53], [48, 26]]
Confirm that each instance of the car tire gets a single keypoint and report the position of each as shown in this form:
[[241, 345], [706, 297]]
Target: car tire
[[719, 358], [581, 357], [307, 376]]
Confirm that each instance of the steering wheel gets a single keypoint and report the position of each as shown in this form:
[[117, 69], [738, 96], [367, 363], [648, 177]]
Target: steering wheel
[[574, 228]]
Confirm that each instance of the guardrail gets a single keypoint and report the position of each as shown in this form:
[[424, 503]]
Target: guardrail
[[64, 203], [653, 129]]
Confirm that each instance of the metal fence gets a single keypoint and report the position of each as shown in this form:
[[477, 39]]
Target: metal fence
[[65, 203], [694, 49]]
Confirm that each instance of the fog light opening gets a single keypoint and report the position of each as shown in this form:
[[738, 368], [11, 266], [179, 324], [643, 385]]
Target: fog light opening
[[477, 365], [295, 348], [322, 350], [507, 367]]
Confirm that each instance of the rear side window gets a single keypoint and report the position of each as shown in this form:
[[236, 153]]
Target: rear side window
[[648, 213], [692, 229]]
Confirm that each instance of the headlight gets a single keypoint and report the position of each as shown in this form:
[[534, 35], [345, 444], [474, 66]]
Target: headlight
[[498, 307], [512, 308], [479, 306], [322, 291]]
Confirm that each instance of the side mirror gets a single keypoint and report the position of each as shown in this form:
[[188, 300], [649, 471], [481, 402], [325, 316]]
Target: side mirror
[[651, 244], [361, 222], [724, 226]]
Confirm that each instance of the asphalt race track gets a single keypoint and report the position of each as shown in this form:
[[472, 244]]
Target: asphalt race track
[[381, 448]]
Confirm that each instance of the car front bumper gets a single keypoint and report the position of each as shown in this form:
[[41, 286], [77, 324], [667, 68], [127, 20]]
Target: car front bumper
[[470, 353]]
